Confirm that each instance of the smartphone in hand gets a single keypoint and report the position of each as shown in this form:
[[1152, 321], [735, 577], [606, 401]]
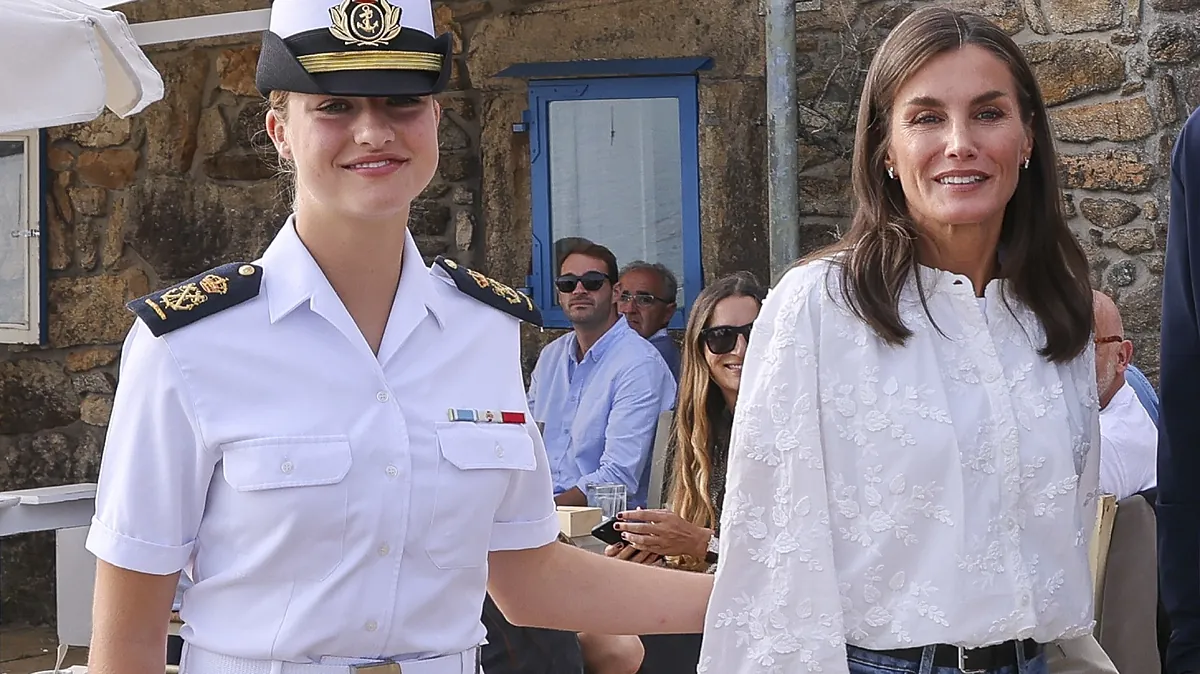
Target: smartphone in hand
[[607, 532]]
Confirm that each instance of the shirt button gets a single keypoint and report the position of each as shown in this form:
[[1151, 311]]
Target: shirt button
[[384, 550], [1025, 599], [372, 625], [499, 450], [392, 471], [287, 467], [382, 396]]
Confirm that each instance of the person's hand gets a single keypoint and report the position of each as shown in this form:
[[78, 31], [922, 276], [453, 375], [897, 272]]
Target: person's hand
[[663, 532], [632, 554]]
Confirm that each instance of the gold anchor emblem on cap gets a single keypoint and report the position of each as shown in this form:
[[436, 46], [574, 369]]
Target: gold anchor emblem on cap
[[366, 23]]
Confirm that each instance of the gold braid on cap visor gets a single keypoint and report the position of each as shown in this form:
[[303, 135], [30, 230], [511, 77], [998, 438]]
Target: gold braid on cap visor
[[371, 60]]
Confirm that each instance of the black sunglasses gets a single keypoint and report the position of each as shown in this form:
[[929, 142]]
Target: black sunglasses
[[592, 281], [721, 339]]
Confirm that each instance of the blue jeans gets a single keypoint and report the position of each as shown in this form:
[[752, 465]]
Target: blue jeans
[[869, 662]]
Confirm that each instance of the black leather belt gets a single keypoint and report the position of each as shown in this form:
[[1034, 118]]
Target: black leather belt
[[985, 659]]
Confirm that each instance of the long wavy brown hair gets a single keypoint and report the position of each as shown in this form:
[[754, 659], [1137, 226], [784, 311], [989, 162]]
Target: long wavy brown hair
[[1045, 267], [700, 401]]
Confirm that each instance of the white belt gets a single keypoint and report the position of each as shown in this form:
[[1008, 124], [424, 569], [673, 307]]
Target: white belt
[[199, 661]]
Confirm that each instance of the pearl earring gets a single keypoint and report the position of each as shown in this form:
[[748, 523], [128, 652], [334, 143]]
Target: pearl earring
[[892, 172], [1027, 162]]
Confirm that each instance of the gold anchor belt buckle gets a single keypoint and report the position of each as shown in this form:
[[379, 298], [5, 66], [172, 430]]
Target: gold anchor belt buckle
[[379, 668]]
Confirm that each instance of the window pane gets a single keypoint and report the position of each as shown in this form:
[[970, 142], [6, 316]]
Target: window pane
[[14, 251], [615, 178]]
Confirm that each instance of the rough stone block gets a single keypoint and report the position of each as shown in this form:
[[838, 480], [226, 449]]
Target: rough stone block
[[236, 166], [428, 217], [59, 158], [1119, 120], [35, 395], [236, 69], [1078, 16], [1122, 274], [1071, 69], [172, 123], [443, 22], [91, 309], [96, 381], [95, 410], [1173, 43], [1008, 14], [113, 168], [213, 133], [825, 196], [1174, 5], [107, 130], [86, 236], [451, 136], [89, 201], [1141, 307], [464, 230], [1132, 240], [1109, 213], [1117, 170], [60, 241], [89, 359]]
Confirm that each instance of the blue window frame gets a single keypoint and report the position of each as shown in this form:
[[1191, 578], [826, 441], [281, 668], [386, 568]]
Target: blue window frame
[[649, 120]]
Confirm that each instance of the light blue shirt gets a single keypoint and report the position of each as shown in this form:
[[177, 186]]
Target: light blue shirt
[[600, 413], [667, 349]]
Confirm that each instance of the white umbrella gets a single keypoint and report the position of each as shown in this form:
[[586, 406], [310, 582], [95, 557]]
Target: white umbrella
[[65, 61]]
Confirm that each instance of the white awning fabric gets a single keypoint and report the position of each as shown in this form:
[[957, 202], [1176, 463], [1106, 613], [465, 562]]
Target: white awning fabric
[[65, 61]]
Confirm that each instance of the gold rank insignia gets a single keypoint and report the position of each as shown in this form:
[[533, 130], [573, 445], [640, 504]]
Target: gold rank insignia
[[200, 296], [365, 23], [491, 292]]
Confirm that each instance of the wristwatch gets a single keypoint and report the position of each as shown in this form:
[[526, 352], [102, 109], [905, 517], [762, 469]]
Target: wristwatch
[[713, 544]]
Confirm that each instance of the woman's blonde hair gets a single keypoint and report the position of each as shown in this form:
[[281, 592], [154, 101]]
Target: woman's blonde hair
[[700, 401]]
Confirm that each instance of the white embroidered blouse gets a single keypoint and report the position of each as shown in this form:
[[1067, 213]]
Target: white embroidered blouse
[[940, 492]]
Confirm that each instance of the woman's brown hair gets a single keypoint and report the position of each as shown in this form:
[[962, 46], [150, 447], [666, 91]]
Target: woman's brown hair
[[1043, 263], [700, 401]]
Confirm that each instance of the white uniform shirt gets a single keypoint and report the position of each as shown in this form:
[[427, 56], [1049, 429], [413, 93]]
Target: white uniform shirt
[[1128, 446], [942, 492], [327, 505]]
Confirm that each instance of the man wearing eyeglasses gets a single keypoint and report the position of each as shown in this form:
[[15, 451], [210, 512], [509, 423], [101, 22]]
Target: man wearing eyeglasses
[[646, 298], [1128, 436], [599, 389]]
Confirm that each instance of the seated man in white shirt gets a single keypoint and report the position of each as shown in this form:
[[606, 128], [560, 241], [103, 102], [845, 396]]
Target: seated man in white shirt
[[1128, 436]]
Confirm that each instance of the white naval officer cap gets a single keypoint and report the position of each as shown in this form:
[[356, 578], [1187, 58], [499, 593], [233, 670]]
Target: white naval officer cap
[[353, 48]]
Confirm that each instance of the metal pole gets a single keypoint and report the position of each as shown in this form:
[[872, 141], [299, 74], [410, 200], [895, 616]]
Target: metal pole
[[782, 181]]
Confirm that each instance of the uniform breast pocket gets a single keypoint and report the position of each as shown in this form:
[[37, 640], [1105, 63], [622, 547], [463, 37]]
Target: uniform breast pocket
[[288, 505], [476, 464]]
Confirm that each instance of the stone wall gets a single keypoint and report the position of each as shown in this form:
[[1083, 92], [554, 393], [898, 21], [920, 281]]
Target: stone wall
[[135, 204]]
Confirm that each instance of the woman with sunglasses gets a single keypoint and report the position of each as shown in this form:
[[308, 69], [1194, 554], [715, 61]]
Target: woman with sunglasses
[[714, 345]]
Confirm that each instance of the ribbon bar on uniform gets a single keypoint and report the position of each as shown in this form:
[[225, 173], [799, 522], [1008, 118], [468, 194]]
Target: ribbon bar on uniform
[[486, 416]]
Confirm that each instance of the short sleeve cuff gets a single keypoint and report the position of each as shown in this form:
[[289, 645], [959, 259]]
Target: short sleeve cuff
[[524, 535], [133, 554]]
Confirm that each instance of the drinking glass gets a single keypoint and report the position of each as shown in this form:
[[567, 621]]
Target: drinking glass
[[609, 498]]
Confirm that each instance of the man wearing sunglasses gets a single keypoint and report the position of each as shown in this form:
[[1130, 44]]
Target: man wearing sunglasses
[[646, 298], [598, 389]]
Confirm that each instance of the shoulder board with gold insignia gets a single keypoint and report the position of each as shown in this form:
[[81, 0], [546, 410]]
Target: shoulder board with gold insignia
[[492, 292], [198, 297]]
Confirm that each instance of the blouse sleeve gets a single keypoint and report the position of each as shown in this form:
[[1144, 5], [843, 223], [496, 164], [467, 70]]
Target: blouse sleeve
[[776, 605]]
